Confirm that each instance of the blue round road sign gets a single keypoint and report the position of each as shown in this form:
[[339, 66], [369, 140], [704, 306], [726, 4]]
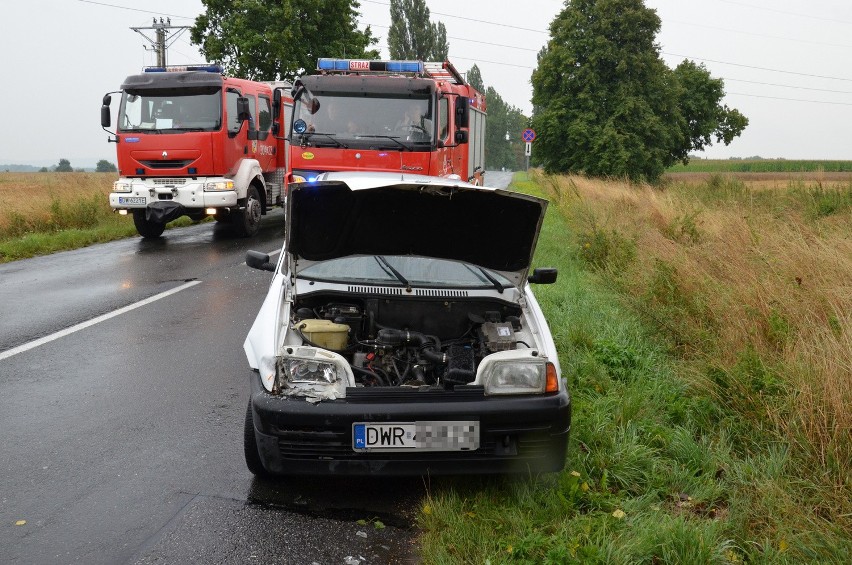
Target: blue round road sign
[[528, 135]]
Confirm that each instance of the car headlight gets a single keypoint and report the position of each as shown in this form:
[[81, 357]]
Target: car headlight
[[517, 376], [119, 186], [219, 185], [296, 370]]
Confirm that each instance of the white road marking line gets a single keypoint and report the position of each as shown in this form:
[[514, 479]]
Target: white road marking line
[[83, 325]]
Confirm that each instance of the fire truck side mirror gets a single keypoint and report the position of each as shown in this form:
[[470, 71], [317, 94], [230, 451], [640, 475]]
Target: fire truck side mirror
[[462, 111], [276, 104], [243, 109], [106, 120], [461, 136]]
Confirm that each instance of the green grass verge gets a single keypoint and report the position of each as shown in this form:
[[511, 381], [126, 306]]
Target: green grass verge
[[655, 472], [49, 240], [760, 166]]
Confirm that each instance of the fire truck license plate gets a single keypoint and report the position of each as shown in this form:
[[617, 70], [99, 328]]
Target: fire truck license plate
[[131, 200], [420, 436]]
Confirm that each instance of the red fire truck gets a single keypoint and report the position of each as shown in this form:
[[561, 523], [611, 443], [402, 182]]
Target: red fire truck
[[194, 142], [406, 116]]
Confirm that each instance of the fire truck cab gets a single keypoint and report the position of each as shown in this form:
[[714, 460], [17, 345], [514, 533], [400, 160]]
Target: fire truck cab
[[401, 116], [194, 142]]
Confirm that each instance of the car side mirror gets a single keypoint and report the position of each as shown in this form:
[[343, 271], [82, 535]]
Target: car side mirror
[[258, 260], [543, 275]]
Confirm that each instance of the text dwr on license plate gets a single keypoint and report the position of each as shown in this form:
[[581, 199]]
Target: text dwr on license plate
[[421, 436]]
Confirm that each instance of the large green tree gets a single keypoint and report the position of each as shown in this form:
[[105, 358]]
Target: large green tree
[[605, 103], [279, 39], [412, 35]]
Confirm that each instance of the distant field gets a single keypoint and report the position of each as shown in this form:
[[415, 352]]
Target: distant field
[[761, 166]]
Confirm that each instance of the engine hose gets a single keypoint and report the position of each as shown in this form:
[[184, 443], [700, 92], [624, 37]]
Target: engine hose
[[367, 372], [429, 345]]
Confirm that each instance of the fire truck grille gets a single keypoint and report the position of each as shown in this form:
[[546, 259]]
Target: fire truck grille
[[168, 181], [167, 163]]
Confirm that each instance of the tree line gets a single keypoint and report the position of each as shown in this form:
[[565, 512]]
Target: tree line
[[604, 101]]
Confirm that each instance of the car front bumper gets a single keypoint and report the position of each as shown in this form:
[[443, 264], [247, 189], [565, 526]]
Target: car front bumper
[[518, 434]]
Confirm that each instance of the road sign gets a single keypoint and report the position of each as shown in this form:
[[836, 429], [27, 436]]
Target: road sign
[[529, 135], [528, 150]]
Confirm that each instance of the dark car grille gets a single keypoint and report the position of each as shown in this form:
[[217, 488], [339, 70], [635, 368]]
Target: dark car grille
[[311, 444], [167, 163]]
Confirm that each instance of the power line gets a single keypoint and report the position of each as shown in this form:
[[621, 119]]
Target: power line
[[754, 67], [134, 9], [782, 38], [791, 99], [477, 20], [464, 39], [787, 86], [797, 14]]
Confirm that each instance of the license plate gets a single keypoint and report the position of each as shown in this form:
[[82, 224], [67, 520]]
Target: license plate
[[416, 436], [131, 200]]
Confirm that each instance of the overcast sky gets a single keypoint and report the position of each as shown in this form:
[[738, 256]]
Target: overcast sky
[[785, 64]]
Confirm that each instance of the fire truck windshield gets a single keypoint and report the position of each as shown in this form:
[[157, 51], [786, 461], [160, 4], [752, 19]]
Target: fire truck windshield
[[364, 121], [181, 110]]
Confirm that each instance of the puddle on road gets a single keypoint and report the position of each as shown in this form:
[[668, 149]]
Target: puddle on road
[[394, 501]]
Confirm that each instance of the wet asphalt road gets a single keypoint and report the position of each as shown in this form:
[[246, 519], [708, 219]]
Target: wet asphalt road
[[122, 441]]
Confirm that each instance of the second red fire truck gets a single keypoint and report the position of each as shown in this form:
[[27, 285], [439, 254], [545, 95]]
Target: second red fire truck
[[403, 116]]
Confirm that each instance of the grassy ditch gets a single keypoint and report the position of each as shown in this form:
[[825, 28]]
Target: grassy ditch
[[42, 213], [705, 335]]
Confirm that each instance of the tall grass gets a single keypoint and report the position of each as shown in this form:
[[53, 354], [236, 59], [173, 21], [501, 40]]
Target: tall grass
[[688, 441], [753, 291], [46, 212]]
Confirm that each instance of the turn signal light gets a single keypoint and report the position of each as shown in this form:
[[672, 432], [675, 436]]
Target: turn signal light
[[552, 383]]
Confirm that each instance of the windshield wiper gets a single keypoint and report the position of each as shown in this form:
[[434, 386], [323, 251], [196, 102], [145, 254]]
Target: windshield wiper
[[384, 263], [492, 280], [308, 134], [391, 137]]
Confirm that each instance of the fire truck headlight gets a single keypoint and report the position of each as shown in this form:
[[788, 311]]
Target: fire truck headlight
[[219, 185], [121, 186]]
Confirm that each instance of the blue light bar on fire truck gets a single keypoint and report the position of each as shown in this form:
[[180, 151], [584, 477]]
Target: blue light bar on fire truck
[[183, 68], [355, 65]]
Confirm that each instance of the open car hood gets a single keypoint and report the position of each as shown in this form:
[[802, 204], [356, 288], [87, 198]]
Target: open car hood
[[347, 214]]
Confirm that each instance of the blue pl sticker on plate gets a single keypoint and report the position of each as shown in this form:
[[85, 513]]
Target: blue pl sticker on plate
[[131, 139]]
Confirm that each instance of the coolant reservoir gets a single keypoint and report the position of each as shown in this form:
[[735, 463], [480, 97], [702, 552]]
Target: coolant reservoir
[[325, 333]]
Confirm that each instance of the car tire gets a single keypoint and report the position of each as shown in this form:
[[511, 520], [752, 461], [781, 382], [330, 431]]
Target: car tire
[[253, 462], [148, 230], [247, 220]]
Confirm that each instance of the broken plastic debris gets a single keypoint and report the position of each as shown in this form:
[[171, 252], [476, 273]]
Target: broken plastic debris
[[361, 534], [349, 560], [20, 522]]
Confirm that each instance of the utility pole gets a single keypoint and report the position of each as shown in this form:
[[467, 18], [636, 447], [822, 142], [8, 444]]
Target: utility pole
[[161, 29]]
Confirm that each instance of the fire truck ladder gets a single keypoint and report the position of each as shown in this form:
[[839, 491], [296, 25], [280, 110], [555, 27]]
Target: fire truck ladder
[[443, 70]]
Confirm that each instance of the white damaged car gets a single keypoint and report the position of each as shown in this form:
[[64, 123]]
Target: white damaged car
[[400, 335]]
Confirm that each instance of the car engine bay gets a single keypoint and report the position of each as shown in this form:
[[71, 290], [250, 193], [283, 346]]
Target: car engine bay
[[410, 342]]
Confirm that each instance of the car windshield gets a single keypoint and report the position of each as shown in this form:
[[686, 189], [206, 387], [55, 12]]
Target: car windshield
[[400, 122], [398, 270], [184, 109]]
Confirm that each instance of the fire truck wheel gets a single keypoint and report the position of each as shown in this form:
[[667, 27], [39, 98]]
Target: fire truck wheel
[[253, 462], [148, 230], [247, 221]]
